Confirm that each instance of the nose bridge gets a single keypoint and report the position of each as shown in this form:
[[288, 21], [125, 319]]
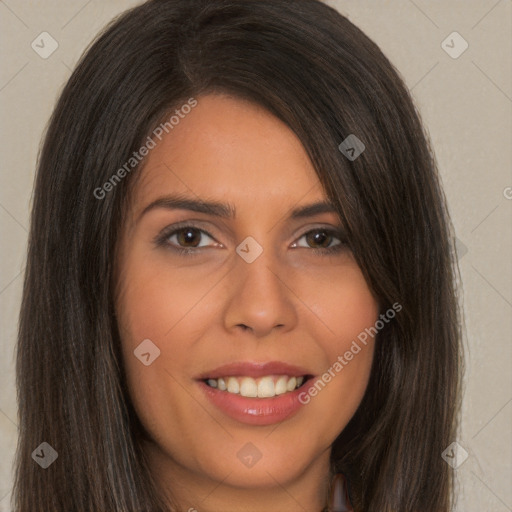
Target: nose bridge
[[259, 295]]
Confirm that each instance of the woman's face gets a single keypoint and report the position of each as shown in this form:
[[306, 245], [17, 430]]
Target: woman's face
[[266, 296]]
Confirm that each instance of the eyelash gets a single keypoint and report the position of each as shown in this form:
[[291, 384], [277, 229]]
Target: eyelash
[[162, 240]]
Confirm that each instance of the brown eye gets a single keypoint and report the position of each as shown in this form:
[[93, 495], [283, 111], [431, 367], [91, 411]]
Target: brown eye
[[186, 239], [319, 237], [188, 236], [322, 241]]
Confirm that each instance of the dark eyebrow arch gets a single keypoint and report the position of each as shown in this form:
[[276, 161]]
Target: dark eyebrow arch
[[310, 210], [228, 211]]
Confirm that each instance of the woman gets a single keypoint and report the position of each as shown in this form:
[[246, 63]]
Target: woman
[[184, 343]]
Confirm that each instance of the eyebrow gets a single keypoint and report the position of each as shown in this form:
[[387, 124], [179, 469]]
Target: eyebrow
[[227, 210]]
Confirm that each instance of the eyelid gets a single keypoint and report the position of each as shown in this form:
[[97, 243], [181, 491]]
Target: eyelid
[[163, 237], [330, 231], [167, 232], [338, 230]]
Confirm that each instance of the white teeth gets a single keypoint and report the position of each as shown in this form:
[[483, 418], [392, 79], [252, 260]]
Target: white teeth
[[281, 385], [248, 387], [292, 384], [233, 386], [264, 387]]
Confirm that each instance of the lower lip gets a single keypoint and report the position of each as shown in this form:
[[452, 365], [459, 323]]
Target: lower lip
[[256, 411]]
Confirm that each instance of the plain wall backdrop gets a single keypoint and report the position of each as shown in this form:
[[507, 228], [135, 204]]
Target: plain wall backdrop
[[464, 96]]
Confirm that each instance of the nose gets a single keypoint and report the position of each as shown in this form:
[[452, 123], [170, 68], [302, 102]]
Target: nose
[[260, 297]]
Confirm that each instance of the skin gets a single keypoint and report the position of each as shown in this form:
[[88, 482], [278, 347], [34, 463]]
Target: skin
[[300, 306]]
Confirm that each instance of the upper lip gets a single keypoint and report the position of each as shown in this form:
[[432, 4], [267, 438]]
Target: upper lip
[[255, 370]]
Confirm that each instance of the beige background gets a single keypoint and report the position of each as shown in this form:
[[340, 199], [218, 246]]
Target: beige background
[[466, 105]]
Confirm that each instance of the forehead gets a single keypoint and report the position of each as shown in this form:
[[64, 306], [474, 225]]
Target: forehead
[[231, 150]]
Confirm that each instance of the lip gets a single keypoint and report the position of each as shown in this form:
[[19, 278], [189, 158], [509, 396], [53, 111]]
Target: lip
[[256, 411], [254, 370]]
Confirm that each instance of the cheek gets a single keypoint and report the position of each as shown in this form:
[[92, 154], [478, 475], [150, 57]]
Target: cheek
[[341, 300], [172, 308], [348, 348], [156, 299]]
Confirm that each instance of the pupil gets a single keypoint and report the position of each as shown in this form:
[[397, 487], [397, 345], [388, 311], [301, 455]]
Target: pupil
[[319, 237], [187, 236]]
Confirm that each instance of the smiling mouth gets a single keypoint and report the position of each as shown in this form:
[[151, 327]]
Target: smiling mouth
[[267, 386]]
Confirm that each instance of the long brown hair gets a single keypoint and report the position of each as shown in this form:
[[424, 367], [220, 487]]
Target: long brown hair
[[312, 68]]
